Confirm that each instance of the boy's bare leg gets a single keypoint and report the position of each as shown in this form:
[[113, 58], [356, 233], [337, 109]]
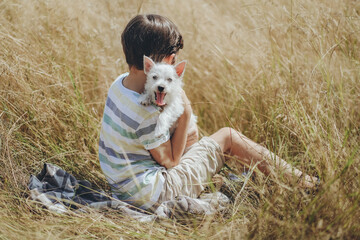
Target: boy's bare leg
[[236, 144]]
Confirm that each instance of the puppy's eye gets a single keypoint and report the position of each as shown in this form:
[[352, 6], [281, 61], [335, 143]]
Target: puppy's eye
[[155, 77], [169, 79]]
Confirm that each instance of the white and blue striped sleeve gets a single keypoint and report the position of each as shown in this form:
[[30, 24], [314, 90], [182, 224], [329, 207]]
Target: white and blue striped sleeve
[[146, 133]]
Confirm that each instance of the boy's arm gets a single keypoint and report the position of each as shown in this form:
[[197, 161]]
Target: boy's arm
[[169, 153], [193, 136]]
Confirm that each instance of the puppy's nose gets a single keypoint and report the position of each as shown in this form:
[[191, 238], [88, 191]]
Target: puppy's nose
[[160, 88]]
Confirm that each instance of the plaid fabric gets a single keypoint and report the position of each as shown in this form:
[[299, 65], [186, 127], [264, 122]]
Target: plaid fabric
[[60, 192]]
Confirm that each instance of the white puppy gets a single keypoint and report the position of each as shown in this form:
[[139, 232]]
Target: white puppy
[[163, 87]]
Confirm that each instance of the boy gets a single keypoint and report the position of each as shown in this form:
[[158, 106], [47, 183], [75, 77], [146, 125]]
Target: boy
[[144, 170]]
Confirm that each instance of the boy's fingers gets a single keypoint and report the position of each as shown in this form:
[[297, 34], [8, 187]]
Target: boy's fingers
[[185, 98]]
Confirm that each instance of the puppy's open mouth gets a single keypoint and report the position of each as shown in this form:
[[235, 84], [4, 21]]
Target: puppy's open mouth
[[159, 98]]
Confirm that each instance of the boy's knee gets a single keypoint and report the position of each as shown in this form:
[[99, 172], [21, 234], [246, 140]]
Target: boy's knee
[[224, 137], [227, 134], [228, 131]]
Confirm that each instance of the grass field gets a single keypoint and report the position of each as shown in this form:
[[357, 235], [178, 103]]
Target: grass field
[[285, 73]]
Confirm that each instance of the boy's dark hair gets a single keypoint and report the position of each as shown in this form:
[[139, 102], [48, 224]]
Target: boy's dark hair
[[151, 35]]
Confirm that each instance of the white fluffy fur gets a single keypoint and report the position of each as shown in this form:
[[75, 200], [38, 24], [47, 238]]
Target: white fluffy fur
[[168, 77]]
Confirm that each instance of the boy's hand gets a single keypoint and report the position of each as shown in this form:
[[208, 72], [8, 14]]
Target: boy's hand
[[187, 104]]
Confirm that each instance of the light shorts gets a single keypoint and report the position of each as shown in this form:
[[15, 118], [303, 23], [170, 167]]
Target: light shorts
[[197, 166]]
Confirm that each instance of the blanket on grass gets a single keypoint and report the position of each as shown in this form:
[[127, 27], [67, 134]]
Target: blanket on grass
[[61, 192]]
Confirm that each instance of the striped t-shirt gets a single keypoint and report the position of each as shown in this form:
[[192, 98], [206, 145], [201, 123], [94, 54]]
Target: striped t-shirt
[[127, 133]]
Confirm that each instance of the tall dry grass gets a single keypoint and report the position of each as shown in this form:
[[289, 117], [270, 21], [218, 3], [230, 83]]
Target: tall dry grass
[[285, 73]]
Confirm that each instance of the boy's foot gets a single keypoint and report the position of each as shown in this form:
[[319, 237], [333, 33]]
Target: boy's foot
[[309, 182]]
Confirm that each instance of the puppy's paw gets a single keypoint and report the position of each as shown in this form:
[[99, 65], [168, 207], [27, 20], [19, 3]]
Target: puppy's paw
[[144, 99], [145, 103], [160, 131]]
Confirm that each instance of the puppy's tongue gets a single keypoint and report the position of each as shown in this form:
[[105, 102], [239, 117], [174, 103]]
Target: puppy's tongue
[[160, 98]]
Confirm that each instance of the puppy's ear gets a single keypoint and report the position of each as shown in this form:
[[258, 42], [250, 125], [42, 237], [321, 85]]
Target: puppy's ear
[[148, 64], [180, 68]]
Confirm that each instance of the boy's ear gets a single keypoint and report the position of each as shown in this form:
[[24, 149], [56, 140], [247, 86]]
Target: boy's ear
[[148, 64], [180, 68]]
